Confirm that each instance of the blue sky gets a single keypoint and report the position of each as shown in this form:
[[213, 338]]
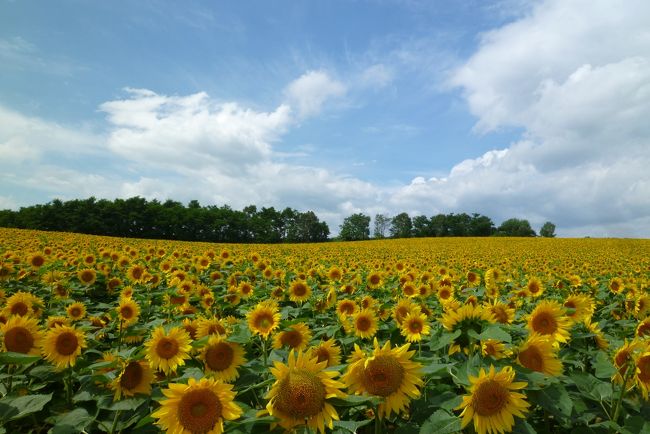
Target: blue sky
[[338, 106]]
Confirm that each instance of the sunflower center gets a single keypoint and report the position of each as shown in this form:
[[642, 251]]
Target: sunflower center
[[219, 357], [374, 279], [301, 395], [532, 359], [299, 290], [127, 312], [66, 343], [291, 338], [347, 308], [75, 312], [490, 398], [19, 308], [363, 323], [264, 321], [322, 354], [132, 376], [444, 294], [383, 375], [643, 366], [544, 323], [87, 276], [500, 314], [167, 348], [415, 326], [643, 329], [19, 340], [199, 410], [533, 288], [137, 273]]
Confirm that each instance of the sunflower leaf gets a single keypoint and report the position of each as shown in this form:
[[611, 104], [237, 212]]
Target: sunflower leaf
[[441, 422], [16, 408], [11, 358]]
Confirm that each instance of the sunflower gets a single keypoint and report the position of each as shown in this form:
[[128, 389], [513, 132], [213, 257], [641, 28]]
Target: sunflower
[[136, 377], [445, 294], [20, 304], [579, 307], [245, 289], [465, 318], [300, 393], [166, 352], [36, 260], [87, 276], [494, 348], [374, 280], [387, 373], [642, 373], [210, 326], [503, 313], [335, 274], [642, 306], [414, 326], [616, 285], [20, 334], [128, 311], [53, 321], [623, 356], [548, 319], [62, 345], [222, 358], [295, 337], [403, 308], [493, 401], [299, 291], [363, 324], [197, 407], [263, 319], [599, 338], [346, 307], [535, 287], [538, 353], [76, 311], [327, 351], [643, 329]]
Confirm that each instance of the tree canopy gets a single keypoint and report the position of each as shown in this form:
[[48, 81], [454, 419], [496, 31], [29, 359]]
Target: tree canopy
[[355, 227]]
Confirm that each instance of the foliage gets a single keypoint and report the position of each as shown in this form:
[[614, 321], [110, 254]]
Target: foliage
[[382, 223], [401, 226], [355, 227], [515, 228], [547, 230]]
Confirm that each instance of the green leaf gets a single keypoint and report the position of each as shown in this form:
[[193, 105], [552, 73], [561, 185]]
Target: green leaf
[[127, 404], [441, 422], [201, 342], [592, 387], [354, 400], [523, 427], [444, 340], [554, 399], [434, 368], [241, 334], [11, 358], [72, 422], [603, 366], [16, 408], [495, 332], [351, 426], [637, 424]]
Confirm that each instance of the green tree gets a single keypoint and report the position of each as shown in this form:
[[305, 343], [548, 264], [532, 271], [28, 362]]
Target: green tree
[[516, 228], [421, 226], [401, 226], [382, 223], [547, 230], [355, 227]]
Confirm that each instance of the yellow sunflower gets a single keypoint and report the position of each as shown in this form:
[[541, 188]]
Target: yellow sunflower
[[76, 311], [403, 307], [136, 273], [197, 407], [494, 348], [642, 373], [128, 311], [210, 326], [62, 345], [299, 291], [548, 319], [374, 280], [21, 334], [19, 304], [643, 329], [623, 356], [465, 318], [135, 378], [616, 285], [223, 358], [346, 307], [87, 276], [493, 400], [245, 289], [167, 351], [53, 321], [296, 337], [363, 324], [414, 326], [503, 313], [387, 373], [300, 393], [327, 351], [599, 337], [579, 307], [263, 319], [538, 353]]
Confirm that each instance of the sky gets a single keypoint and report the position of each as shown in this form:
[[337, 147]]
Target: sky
[[508, 108]]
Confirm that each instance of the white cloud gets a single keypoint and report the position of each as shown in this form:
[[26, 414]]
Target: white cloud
[[376, 76], [309, 93]]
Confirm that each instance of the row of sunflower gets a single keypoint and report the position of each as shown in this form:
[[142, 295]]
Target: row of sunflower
[[484, 335]]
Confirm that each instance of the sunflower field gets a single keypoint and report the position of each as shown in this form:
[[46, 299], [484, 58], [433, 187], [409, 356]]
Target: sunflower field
[[444, 335]]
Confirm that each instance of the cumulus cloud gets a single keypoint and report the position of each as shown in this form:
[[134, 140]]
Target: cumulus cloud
[[576, 77], [309, 93]]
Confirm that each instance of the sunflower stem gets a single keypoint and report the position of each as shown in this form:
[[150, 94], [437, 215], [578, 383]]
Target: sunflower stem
[[263, 350], [114, 425], [10, 379], [68, 387], [617, 408], [119, 340], [377, 421]]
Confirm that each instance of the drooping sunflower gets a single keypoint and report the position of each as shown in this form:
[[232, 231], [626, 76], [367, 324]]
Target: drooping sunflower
[[295, 337], [135, 377], [21, 334], [128, 311], [299, 291], [363, 324], [167, 351], [503, 313], [493, 401], [223, 358], [327, 351], [197, 407], [495, 349], [548, 319], [642, 374], [263, 319], [643, 329], [53, 321], [465, 318], [76, 311], [538, 353], [300, 393], [623, 356], [388, 373], [62, 345], [414, 326], [599, 337]]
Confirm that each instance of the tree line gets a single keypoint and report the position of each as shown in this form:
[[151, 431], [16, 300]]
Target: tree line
[[139, 218], [357, 226]]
